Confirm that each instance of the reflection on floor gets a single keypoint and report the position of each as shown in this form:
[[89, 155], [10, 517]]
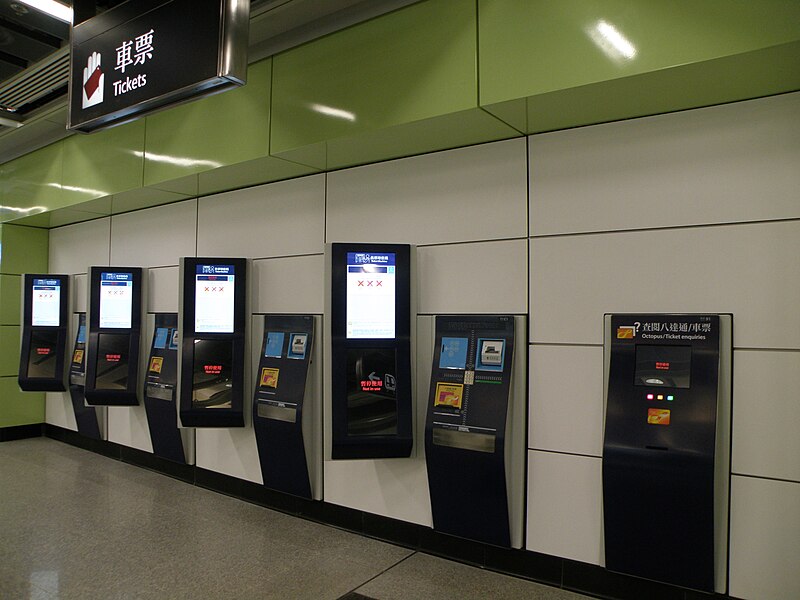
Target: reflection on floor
[[74, 524]]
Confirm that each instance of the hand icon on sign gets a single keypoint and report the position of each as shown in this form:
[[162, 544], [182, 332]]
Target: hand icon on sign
[[93, 80]]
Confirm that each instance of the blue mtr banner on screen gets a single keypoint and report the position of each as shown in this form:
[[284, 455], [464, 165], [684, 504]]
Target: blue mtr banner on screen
[[215, 270], [366, 258]]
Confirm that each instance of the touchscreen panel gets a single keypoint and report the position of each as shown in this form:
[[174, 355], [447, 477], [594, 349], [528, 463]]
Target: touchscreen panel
[[214, 299], [116, 300], [46, 303], [667, 366], [370, 295]]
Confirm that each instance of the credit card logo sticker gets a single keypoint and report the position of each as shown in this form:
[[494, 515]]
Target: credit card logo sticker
[[155, 364], [77, 357], [449, 394], [626, 332], [269, 377], [658, 416]]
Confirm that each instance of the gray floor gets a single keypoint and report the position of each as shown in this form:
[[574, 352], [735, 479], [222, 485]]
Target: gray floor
[[74, 524]]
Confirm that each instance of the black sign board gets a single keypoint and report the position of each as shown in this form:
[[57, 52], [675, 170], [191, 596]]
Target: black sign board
[[145, 55]]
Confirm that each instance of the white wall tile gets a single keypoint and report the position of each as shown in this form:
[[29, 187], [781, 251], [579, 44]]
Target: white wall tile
[[765, 539], [742, 269], [566, 399], [277, 219], [730, 163], [766, 419], [58, 410], [80, 293], [154, 237], [231, 451], [484, 277], [565, 500], [476, 193], [127, 426], [162, 289], [75, 248], [289, 285]]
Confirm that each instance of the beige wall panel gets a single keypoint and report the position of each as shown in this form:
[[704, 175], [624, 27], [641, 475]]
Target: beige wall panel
[[75, 248], [766, 415], [723, 164], [231, 451], [483, 277], [162, 290], [154, 237], [289, 285], [127, 425], [475, 193], [277, 219], [765, 529], [742, 269]]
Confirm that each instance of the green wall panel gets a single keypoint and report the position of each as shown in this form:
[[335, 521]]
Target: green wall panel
[[32, 183], [251, 172], [224, 129], [549, 65], [406, 67], [103, 163], [10, 299], [9, 350], [18, 407], [23, 249]]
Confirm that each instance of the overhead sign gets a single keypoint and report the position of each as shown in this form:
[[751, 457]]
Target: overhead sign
[[146, 55]]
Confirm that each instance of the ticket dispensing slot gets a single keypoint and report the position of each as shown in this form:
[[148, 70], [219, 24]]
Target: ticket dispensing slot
[[468, 435], [666, 447], [212, 352], [370, 308], [116, 306], [43, 356], [86, 417], [160, 390], [286, 404]]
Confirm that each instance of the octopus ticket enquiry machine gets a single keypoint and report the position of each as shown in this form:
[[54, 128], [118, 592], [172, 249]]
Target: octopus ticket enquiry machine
[[213, 350], [45, 309], [666, 452], [474, 445], [87, 418], [370, 325], [116, 309]]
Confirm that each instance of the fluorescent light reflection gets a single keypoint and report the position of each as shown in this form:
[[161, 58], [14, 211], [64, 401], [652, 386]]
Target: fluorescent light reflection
[[611, 41], [336, 113], [80, 190], [29, 210], [177, 160], [52, 8]]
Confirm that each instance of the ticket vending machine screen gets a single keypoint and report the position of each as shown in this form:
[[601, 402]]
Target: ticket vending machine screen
[[46, 303], [370, 295], [116, 300], [214, 298]]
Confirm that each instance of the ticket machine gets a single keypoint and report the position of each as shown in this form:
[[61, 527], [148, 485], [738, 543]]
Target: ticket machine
[[116, 310], [666, 453], [160, 390], [87, 418], [370, 332], [474, 435], [213, 350], [287, 403], [45, 309]]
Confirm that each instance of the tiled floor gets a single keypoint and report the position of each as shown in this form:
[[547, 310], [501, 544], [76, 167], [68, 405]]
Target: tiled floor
[[74, 524]]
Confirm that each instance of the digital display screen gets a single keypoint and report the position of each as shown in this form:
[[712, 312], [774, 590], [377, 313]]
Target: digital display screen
[[214, 299], [160, 338], [112, 361], [46, 303], [370, 295], [212, 374], [116, 300], [42, 354], [663, 366], [371, 391]]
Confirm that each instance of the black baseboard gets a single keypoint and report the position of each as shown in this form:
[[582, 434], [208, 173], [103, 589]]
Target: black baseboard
[[21, 432], [551, 570]]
